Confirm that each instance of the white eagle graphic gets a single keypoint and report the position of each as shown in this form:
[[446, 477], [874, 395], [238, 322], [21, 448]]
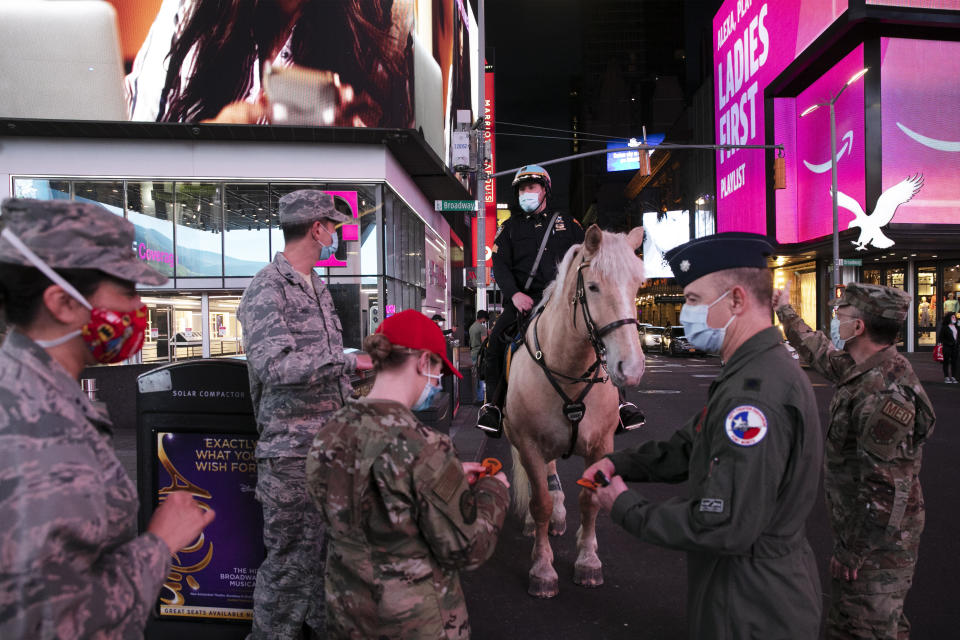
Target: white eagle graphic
[[887, 205]]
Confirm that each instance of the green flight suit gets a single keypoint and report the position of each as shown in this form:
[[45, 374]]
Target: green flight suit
[[752, 460]]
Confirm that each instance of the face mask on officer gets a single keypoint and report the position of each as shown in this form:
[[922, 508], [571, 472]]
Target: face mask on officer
[[693, 317], [429, 391], [835, 323], [329, 250], [111, 336]]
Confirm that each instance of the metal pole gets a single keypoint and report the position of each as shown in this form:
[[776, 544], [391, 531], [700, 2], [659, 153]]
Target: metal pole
[[481, 221], [833, 176]]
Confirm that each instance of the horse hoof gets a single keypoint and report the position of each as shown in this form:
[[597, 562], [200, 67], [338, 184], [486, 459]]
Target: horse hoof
[[558, 528], [543, 587], [588, 576]]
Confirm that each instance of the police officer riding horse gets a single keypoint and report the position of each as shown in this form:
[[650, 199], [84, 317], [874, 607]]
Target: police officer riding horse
[[526, 252]]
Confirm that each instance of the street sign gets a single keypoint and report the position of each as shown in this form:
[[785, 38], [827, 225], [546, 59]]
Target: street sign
[[851, 262], [455, 205]]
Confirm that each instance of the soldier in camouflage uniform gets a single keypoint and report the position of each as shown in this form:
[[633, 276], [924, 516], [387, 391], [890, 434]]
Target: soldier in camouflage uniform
[[880, 419], [299, 375], [402, 517], [71, 562]]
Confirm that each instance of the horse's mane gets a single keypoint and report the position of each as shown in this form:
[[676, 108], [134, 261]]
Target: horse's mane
[[608, 261]]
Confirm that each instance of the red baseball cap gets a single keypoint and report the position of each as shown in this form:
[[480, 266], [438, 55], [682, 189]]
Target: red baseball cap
[[414, 330]]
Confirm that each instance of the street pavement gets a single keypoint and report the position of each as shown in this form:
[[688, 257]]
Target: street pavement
[[644, 592]]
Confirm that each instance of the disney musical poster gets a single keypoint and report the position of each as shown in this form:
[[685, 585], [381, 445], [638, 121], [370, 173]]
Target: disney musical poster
[[213, 577]]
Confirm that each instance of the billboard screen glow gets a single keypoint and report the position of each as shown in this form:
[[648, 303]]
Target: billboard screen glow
[[662, 232]]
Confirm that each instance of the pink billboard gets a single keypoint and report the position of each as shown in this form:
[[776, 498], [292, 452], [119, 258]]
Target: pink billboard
[[919, 4], [920, 109], [805, 207], [753, 42]]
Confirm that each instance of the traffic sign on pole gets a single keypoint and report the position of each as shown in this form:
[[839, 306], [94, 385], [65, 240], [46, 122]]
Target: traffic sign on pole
[[456, 205], [851, 262]]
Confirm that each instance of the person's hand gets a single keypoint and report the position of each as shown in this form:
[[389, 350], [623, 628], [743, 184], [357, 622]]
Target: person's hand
[[603, 464], [472, 470], [604, 497], [781, 297], [522, 301], [242, 112], [502, 477], [364, 362], [841, 571], [179, 520]]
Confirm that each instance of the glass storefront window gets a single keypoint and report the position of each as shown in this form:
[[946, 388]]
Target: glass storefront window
[[246, 236], [226, 333], [150, 209], [108, 194], [926, 306], [41, 189], [951, 289], [198, 218]]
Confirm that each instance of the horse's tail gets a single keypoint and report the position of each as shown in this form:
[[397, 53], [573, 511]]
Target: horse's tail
[[521, 485]]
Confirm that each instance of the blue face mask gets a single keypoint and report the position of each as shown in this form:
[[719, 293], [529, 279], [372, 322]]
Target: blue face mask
[[835, 323], [328, 252], [693, 317], [529, 201], [429, 391]]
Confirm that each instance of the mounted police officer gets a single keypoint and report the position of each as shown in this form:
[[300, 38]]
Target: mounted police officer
[[526, 252]]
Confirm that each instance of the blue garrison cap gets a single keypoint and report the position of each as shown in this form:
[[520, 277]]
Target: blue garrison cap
[[720, 251]]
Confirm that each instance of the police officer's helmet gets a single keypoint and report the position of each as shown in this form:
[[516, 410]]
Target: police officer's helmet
[[532, 172]]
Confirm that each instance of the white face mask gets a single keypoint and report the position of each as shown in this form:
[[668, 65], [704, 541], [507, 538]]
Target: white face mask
[[529, 201], [693, 317]]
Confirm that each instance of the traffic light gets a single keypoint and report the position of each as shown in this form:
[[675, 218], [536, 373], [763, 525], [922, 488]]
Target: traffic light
[[838, 290], [779, 172]]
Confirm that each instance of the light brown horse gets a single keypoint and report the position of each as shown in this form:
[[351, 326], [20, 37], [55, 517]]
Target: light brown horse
[[587, 314]]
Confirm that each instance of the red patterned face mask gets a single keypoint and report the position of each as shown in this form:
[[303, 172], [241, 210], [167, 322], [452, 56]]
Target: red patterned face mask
[[113, 336]]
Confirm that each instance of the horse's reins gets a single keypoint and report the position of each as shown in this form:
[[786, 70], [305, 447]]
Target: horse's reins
[[574, 410]]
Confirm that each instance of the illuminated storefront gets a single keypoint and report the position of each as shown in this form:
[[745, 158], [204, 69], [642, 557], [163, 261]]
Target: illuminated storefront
[[897, 144]]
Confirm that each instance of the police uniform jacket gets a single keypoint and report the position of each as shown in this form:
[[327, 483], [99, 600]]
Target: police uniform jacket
[[515, 251], [880, 418], [751, 458], [71, 563], [298, 371], [401, 522]]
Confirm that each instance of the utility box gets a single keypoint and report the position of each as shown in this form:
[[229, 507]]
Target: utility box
[[196, 432]]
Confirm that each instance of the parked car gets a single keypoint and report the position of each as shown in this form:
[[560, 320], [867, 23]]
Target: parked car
[[650, 337], [675, 343]]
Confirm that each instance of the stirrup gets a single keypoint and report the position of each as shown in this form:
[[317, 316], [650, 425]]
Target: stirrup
[[487, 413], [634, 424]]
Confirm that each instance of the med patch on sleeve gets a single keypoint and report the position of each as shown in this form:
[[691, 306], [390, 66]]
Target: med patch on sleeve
[[745, 425]]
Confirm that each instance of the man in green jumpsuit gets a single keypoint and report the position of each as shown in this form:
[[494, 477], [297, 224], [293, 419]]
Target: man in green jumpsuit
[[751, 458], [880, 418]]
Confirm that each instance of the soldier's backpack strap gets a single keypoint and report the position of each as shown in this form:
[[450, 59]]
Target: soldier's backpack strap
[[543, 245]]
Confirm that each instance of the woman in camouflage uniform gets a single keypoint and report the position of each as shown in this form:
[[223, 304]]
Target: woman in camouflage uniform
[[403, 515]]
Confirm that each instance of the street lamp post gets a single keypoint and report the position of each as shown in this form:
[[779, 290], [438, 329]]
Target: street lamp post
[[833, 168]]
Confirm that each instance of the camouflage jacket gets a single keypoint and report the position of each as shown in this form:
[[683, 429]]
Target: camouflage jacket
[[880, 418], [401, 521], [71, 563], [298, 370]]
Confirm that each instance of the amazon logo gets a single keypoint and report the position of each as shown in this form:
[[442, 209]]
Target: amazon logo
[[933, 143]]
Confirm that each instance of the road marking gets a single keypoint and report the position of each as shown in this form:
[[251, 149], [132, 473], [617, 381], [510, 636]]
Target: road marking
[[704, 375], [665, 391]]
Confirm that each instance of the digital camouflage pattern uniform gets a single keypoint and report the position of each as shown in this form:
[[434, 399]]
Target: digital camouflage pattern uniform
[[401, 522], [880, 418], [71, 563], [751, 460], [299, 375]]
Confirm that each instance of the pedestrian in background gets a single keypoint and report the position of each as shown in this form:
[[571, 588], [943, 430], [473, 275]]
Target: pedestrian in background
[[478, 333], [299, 375], [71, 562], [880, 419], [403, 515], [750, 458], [951, 347]]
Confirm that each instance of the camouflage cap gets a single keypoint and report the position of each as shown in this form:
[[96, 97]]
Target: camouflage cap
[[73, 235], [877, 300], [309, 205]]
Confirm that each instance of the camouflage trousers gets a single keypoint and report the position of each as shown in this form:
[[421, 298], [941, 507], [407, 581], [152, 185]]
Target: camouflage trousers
[[867, 609], [289, 588]]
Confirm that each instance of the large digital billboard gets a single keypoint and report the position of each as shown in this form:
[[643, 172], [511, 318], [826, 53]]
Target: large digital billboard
[[401, 64], [753, 42], [805, 208], [920, 111], [919, 4]]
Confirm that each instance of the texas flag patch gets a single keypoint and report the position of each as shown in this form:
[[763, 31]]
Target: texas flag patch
[[746, 425]]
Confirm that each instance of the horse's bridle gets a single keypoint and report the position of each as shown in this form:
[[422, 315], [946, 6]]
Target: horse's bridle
[[574, 409]]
